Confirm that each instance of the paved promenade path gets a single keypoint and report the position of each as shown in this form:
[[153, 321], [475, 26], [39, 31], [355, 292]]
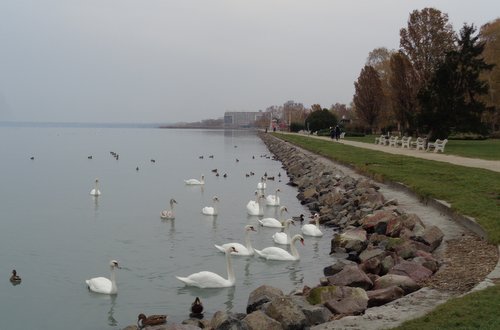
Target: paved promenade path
[[492, 165]]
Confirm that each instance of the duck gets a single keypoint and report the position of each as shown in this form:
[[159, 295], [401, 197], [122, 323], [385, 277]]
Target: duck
[[144, 321], [195, 181], [169, 214], [312, 229], [102, 284], [95, 191], [273, 200], [254, 207], [14, 278], [299, 218], [211, 210], [205, 279], [196, 307], [243, 250], [283, 237], [276, 253], [272, 222]]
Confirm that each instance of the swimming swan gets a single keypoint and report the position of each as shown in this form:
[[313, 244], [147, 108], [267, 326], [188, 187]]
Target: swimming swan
[[169, 214], [211, 210], [254, 207], [312, 230], [273, 200], [95, 191], [195, 181], [207, 280], [243, 250], [102, 284], [283, 237], [272, 222], [276, 253]]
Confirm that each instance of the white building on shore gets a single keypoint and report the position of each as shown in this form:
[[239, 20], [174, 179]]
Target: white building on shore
[[241, 119]]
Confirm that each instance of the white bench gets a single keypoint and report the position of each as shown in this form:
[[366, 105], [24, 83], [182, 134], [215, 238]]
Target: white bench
[[393, 141], [438, 145], [381, 140], [419, 144], [405, 142], [342, 135]]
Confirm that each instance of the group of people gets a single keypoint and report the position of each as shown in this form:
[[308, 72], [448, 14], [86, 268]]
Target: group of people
[[335, 132]]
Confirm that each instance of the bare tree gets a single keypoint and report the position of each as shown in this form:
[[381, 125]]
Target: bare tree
[[403, 86], [368, 96], [426, 40]]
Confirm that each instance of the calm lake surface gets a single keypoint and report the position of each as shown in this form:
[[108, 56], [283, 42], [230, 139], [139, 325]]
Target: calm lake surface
[[56, 235]]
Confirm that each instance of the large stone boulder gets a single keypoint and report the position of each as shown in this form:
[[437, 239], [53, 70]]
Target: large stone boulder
[[223, 320], [351, 276], [413, 270], [404, 282], [353, 239], [383, 296], [258, 320], [348, 305], [315, 314], [263, 294], [286, 312], [337, 266], [430, 236]]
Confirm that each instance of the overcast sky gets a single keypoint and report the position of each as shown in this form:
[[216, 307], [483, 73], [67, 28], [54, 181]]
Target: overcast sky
[[167, 61]]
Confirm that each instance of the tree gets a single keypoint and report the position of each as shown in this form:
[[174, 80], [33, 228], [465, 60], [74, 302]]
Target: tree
[[452, 98], [320, 119], [403, 84], [425, 41], [368, 96], [490, 35], [380, 59]]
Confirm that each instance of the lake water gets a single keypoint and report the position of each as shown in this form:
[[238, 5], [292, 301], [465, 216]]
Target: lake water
[[56, 235]]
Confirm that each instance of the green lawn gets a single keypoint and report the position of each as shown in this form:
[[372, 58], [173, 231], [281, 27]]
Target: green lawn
[[484, 149], [473, 192]]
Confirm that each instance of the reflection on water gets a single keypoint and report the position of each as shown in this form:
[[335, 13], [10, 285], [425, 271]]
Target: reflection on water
[[111, 319], [295, 273]]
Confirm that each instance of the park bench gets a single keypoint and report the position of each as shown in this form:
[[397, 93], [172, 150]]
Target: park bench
[[438, 145], [419, 144], [342, 135], [393, 141], [405, 142], [382, 139]]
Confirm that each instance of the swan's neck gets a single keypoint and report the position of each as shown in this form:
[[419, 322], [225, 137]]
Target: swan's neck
[[287, 231], [293, 248], [171, 206], [248, 243], [230, 271], [317, 223], [113, 280]]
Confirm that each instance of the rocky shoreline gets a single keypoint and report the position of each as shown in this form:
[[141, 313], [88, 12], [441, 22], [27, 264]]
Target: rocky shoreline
[[382, 254]]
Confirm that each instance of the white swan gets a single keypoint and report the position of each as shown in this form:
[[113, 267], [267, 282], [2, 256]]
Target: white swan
[[95, 191], [195, 181], [273, 200], [276, 253], [243, 250], [272, 222], [254, 207], [102, 284], [169, 214], [211, 210], [206, 279], [262, 184], [283, 237], [312, 230]]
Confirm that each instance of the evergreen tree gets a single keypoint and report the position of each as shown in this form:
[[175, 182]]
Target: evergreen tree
[[451, 100]]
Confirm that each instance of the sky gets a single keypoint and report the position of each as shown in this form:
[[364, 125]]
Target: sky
[[168, 61]]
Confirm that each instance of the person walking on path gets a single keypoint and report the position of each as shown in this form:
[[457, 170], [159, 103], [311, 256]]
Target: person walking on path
[[337, 132]]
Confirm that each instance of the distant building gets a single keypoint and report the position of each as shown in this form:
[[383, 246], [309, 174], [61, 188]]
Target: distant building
[[241, 119]]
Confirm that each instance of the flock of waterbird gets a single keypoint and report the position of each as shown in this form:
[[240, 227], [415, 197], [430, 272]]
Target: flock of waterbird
[[206, 279]]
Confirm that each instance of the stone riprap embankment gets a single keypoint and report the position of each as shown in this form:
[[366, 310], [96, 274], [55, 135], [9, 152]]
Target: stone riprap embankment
[[381, 252]]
